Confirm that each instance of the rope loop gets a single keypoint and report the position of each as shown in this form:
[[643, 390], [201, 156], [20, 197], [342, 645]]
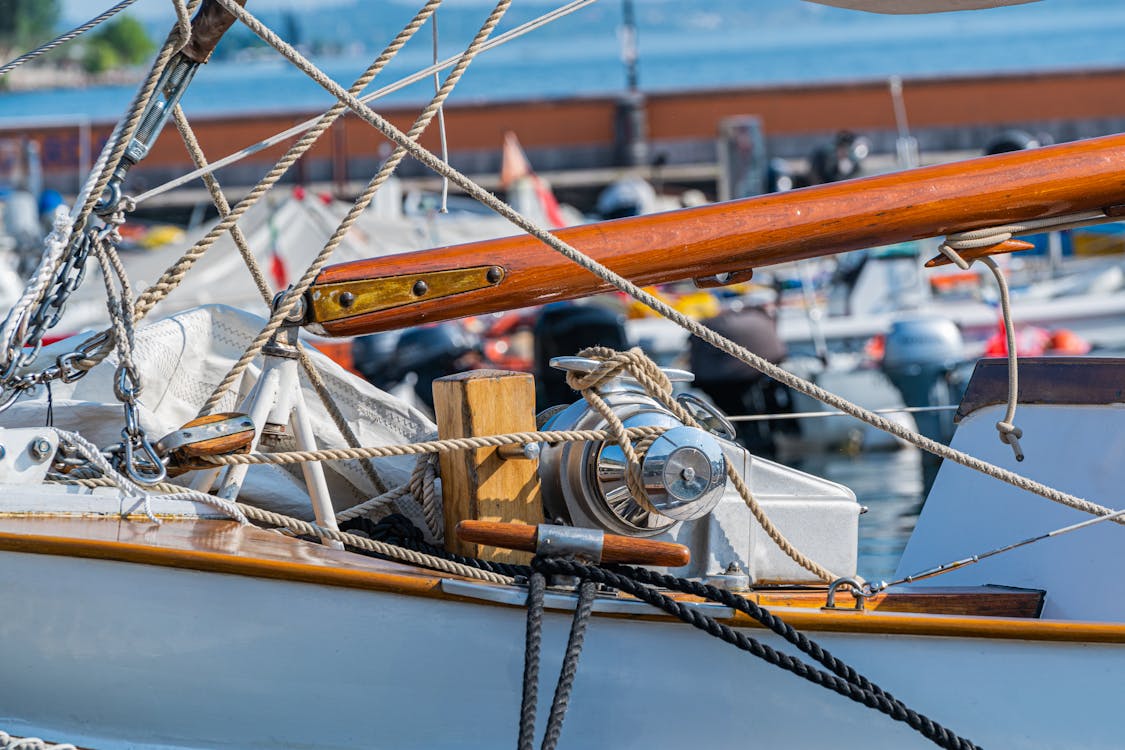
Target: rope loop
[[1009, 433]]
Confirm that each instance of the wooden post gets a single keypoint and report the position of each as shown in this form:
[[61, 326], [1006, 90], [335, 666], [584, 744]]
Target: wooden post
[[481, 484]]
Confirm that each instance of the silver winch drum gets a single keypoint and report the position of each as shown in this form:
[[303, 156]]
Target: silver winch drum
[[683, 470]]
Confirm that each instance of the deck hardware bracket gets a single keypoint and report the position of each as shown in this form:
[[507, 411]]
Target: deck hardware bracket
[[345, 299], [561, 541], [723, 279], [527, 451], [857, 590]]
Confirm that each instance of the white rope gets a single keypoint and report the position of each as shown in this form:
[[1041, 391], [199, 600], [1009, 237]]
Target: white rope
[[449, 62], [64, 38], [8, 742], [131, 491], [1009, 433], [295, 292], [296, 525], [16, 322], [624, 285], [446, 445]]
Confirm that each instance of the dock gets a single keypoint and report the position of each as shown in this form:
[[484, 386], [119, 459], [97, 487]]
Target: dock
[[578, 143]]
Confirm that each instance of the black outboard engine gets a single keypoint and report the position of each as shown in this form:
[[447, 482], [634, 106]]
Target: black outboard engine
[[373, 357], [1010, 140], [920, 357], [432, 352], [564, 328], [427, 352]]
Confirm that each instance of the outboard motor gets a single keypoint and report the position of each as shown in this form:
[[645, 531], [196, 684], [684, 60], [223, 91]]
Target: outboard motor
[[920, 357], [429, 352], [690, 498]]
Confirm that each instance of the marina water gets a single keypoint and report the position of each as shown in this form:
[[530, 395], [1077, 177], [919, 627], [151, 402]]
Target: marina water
[[683, 44]]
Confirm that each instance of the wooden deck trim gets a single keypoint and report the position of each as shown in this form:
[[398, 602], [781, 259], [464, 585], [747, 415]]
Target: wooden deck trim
[[318, 567], [323, 566]]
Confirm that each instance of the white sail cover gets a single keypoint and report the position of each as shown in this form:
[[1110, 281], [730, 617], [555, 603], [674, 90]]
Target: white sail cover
[[182, 358], [919, 6]]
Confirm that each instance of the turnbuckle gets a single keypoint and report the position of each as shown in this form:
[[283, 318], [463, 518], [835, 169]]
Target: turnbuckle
[[170, 89]]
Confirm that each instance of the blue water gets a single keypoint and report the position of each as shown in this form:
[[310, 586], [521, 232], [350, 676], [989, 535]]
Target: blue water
[[683, 44]]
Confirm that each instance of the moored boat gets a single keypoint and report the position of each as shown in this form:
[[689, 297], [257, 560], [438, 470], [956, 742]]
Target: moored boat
[[251, 605]]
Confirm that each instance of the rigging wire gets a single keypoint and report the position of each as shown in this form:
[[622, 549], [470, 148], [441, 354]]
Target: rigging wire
[[837, 413], [501, 39], [441, 121], [64, 38], [956, 564]]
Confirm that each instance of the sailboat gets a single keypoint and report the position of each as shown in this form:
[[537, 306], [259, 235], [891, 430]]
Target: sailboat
[[235, 608]]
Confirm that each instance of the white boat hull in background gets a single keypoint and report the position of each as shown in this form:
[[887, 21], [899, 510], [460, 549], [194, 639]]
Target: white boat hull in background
[[119, 655]]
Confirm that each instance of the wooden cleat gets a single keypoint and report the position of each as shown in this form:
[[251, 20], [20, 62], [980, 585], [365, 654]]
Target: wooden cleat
[[1007, 246]]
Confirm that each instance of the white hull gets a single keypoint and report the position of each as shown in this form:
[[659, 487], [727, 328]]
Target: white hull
[[122, 655]]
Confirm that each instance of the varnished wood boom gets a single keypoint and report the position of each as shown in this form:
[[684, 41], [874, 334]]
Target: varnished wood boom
[[742, 234], [615, 549]]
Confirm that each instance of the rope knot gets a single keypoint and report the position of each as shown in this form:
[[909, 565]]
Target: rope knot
[[1010, 434], [612, 364]]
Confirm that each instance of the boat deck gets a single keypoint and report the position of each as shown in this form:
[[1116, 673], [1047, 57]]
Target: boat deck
[[224, 547]]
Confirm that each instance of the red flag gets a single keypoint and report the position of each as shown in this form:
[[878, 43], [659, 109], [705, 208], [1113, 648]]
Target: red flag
[[277, 271], [514, 166]]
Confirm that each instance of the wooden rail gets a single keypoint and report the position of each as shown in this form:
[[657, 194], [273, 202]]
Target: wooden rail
[[749, 233]]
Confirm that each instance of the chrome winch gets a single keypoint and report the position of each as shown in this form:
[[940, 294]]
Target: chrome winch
[[683, 470]]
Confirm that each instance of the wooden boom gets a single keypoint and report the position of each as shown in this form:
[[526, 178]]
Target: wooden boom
[[494, 275]]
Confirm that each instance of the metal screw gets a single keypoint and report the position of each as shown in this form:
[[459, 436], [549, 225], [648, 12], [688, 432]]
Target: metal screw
[[420, 288], [347, 299], [688, 474], [187, 435], [39, 449], [494, 275]]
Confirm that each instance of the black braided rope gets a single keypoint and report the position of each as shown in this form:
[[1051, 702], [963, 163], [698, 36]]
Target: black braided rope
[[536, 585], [879, 701], [582, 612], [398, 530], [638, 582], [765, 617]]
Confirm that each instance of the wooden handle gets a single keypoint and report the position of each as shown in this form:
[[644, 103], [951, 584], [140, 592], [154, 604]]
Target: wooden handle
[[207, 28], [755, 232], [615, 549]]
